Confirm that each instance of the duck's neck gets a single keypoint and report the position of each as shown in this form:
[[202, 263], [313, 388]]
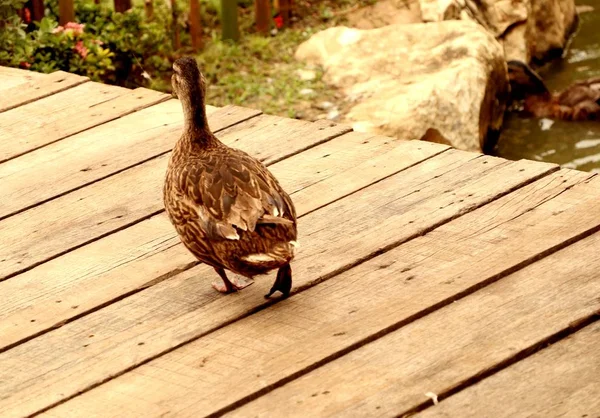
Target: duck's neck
[[194, 110]]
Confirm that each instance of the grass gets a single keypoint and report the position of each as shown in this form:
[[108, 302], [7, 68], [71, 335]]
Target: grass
[[260, 71]]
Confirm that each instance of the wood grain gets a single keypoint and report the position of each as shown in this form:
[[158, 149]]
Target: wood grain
[[84, 215], [260, 351], [449, 347], [11, 77], [559, 381], [75, 218], [175, 311], [42, 122], [98, 153], [296, 135], [38, 88]]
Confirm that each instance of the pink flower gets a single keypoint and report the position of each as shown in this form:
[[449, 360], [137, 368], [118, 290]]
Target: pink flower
[[58, 29], [77, 28], [27, 15], [81, 49]]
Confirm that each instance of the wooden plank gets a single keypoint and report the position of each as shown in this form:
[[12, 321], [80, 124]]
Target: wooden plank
[[70, 223], [175, 311], [34, 125], [38, 88], [559, 381], [98, 153], [447, 348], [10, 77], [264, 350], [296, 135], [312, 178]]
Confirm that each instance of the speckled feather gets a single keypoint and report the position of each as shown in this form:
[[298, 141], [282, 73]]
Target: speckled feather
[[226, 206]]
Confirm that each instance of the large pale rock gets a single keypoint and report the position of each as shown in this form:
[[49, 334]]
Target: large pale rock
[[528, 29], [405, 79]]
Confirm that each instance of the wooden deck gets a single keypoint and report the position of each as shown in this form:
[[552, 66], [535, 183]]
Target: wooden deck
[[423, 271]]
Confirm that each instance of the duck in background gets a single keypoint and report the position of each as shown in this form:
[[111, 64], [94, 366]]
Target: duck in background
[[578, 102], [228, 209]]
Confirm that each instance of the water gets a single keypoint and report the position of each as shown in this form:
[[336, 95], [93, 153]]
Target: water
[[570, 144]]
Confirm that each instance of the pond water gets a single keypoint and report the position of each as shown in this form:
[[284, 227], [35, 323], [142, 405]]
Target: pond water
[[570, 144]]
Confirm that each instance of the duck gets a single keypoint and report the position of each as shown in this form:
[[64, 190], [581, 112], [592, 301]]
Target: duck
[[228, 209], [579, 102]]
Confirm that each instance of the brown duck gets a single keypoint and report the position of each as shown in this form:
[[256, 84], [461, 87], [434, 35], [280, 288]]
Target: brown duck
[[227, 208], [578, 102]]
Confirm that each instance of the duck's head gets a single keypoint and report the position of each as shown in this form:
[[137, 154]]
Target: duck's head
[[524, 81], [189, 86], [187, 80]]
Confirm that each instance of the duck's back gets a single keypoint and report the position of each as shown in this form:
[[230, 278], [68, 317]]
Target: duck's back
[[229, 210]]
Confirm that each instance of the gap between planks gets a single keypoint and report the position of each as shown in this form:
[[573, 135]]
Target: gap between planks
[[488, 179], [315, 178], [23, 255], [121, 144], [559, 380], [341, 319], [453, 347], [98, 153], [39, 88], [38, 124]]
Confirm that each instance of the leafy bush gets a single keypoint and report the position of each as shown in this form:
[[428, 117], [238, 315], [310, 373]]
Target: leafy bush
[[118, 48], [14, 44]]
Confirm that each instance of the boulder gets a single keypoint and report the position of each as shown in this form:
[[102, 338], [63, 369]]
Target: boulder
[[385, 12], [402, 80], [530, 30]]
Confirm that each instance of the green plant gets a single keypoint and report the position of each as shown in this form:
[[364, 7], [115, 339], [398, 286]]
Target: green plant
[[68, 48], [118, 48], [14, 43]]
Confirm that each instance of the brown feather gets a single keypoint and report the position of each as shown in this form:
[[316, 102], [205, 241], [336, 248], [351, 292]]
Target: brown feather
[[227, 207]]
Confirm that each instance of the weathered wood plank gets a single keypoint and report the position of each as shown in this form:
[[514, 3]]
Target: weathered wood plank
[[137, 193], [98, 153], [10, 77], [175, 311], [297, 135], [37, 124], [38, 88], [447, 348], [267, 348], [559, 381], [70, 222]]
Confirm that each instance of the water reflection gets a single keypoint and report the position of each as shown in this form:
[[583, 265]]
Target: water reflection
[[571, 144]]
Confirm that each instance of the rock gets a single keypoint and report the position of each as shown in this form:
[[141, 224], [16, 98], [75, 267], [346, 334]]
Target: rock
[[324, 105], [528, 29], [385, 12], [405, 79], [333, 114], [584, 8], [549, 27], [306, 75], [306, 92]]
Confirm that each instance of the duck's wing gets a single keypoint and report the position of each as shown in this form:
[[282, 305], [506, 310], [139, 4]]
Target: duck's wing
[[231, 191]]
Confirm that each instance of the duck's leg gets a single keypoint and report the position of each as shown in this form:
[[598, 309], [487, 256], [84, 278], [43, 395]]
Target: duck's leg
[[283, 282], [228, 286]]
